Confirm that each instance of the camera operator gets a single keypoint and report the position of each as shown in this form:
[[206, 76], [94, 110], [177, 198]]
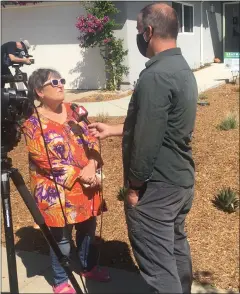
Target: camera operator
[[13, 52]]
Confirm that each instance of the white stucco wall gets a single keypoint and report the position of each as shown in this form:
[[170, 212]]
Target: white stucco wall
[[135, 58], [50, 29], [188, 42]]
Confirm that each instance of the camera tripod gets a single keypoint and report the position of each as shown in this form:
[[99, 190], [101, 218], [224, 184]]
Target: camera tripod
[[7, 172]]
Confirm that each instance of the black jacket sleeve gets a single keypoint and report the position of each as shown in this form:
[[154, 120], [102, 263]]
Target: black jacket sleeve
[[153, 103]]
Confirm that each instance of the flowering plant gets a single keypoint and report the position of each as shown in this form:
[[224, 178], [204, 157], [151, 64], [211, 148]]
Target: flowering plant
[[97, 29], [93, 30]]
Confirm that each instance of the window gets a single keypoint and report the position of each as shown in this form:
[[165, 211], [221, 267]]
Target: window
[[185, 16]]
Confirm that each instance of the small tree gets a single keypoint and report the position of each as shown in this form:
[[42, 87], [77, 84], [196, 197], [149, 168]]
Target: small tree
[[97, 29]]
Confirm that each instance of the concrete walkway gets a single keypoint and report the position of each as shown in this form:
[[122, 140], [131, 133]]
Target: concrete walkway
[[34, 276], [207, 78]]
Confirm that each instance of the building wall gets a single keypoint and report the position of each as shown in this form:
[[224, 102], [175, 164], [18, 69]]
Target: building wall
[[50, 29], [190, 43]]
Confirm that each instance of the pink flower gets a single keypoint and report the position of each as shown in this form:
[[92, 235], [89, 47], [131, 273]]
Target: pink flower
[[105, 41], [105, 19]]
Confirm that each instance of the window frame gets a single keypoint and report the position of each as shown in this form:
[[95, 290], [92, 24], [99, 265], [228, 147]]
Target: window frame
[[186, 4]]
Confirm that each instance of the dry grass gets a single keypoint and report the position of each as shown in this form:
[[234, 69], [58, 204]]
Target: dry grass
[[213, 234]]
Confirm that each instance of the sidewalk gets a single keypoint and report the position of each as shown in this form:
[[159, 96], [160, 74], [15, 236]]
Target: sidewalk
[[207, 78], [34, 276]]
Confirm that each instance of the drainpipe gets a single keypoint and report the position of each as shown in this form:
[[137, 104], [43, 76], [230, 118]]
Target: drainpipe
[[201, 34]]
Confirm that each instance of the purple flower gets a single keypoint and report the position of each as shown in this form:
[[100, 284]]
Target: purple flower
[[50, 195], [51, 135], [68, 204], [34, 120], [80, 141], [60, 149], [58, 173]]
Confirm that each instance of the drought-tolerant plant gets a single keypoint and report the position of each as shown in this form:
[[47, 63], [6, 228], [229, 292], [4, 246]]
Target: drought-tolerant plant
[[230, 122], [202, 97], [102, 117], [227, 200], [122, 193]]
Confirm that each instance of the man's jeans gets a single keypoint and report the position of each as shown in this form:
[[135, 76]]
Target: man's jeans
[[156, 232], [85, 233]]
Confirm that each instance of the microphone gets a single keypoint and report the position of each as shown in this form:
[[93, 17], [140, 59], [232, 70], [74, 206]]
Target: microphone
[[80, 113]]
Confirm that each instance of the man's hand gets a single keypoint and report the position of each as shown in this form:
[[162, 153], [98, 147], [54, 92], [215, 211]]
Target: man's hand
[[132, 197], [15, 59], [27, 60], [102, 131], [99, 130]]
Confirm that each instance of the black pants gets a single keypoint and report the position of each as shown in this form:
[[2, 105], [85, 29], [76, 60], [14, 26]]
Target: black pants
[[156, 233]]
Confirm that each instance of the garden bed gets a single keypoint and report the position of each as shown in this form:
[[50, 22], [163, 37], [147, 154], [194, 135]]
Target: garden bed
[[213, 234]]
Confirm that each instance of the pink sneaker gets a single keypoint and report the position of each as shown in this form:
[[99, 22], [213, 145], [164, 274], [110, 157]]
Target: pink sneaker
[[64, 288], [98, 274]]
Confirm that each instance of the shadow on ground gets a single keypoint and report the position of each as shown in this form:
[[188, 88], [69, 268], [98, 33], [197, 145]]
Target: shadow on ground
[[114, 254], [31, 243]]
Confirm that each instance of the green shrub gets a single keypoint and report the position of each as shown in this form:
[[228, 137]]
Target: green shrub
[[230, 122]]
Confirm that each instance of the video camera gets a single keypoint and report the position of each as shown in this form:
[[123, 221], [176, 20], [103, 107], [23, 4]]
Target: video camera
[[15, 107], [19, 75]]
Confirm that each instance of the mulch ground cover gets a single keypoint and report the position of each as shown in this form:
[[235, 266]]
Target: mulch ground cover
[[213, 234]]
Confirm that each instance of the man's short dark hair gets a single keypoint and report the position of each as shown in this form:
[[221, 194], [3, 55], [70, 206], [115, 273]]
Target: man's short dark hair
[[163, 21], [38, 78]]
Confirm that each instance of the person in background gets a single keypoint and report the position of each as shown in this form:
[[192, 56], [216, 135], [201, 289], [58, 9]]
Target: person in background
[[157, 156], [73, 166], [13, 52]]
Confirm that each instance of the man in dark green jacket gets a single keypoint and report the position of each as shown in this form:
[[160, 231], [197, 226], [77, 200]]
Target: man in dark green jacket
[[157, 157]]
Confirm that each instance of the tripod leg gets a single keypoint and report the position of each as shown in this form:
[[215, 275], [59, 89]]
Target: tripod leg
[[38, 218], [8, 227]]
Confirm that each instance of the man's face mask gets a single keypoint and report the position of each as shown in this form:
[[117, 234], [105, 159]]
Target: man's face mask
[[142, 44]]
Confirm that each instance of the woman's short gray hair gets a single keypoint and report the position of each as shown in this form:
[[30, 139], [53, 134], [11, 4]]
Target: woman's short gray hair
[[38, 78]]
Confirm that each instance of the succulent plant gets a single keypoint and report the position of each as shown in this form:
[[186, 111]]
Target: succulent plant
[[227, 200], [122, 193]]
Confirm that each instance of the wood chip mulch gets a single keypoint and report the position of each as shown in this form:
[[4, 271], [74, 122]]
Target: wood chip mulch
[[213, 234]]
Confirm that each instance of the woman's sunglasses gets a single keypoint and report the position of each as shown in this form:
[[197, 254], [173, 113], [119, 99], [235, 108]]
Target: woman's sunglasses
[[55, 82]]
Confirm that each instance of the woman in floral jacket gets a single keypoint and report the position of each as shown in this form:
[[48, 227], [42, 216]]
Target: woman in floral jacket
[[73, 166]]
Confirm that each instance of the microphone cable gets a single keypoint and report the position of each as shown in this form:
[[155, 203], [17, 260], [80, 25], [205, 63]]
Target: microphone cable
[[74, 106]]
